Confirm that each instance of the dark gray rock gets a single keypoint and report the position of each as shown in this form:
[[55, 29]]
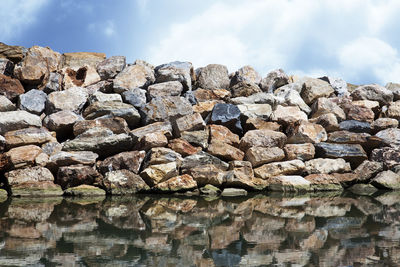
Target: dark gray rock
[[54, 83], [110, 67], [136, 97], [227, 115], [34, 101], [200, 159], [175, 71], [74, 175], [6, 67], [353, 153], [355, 126], [390, 157], [189, 96]]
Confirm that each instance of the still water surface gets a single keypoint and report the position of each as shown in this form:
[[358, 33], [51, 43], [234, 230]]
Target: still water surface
[[260, 230]]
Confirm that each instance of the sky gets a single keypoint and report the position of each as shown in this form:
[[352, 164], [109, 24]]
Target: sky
[[357, 40]]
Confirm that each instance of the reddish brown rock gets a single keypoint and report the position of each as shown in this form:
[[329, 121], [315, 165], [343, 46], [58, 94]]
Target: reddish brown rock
[[214, 94], [346, 137], [225, 151], [262, 155], [130, 160], [74, 175], [288, 115], [358, 113], [207, 174], [384, 123], [183, 147], [222, 134], [299, 151], [181, 183], [156, 139], [10, 88], [324, 106], [262, 138], [306, 132], [155, 174], [205, 107], [260, 124], [328, 121], [23, 156], [279, 168], [116, 125], [191, 122], [28, 136]]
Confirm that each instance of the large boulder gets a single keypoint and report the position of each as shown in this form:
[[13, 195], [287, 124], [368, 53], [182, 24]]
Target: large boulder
[[390, 137], [227, 115], [34, 101], [393, 110], [289, 183], [166, 108], [191, 122], [161, 155], [74, 175], [173, 88], [222, 133], [274, 80], [111, 66], [33, 174], [279, 168], [306, 132], [244, 89], [322, 165], [123, 182], [22, 156], [353, 153], [175, 71], [299, 151], [263, 111], [292, 98], [314, 89], [387, 180], [129, 160], [136, 97], [183, 147], [10, 88], [201, 159], [288, 115], [79, 59], [225, 151], [116, 125], [213, 76], [133, 76], [246, 74], [367, 170], [241, 175], [390, 157], [324, 182], [262, 138], [72, 99], [325, 105], [61, 122], [373, 92], [110, 109], [158, 173], [65, 158], [80, 76], [28, 136], [53, 83], [355, 126], [262, 155], [180, 183], [12, 52], [164, 127]]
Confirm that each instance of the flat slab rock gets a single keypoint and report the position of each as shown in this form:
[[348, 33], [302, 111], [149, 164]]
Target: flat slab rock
[[84, 191], [292, 183]]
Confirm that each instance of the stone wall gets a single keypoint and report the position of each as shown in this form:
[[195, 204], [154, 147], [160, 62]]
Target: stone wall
[[84, 124]]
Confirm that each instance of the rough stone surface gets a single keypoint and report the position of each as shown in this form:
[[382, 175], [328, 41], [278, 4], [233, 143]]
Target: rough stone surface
[[354, 153], [314, 89], [233, 192], [12, 52], [74, 175], [305, 132], [156, 139], [325, 105], [390, 157], [72, 99], [274, 80], [227, 115], [244, 89], [31, 175], [79, 59], [387, 180], [116, 125], [262, 138], [165, 108], [289, 183], [110, 67], [200, 159], [293, 98], [177, 184], [323, 182], [23, 156], [123, 182], [175, 71], [323, 165], [299, 151], [164, 127], [390, 137], [191, 122], [183, 147], [288, 115], [355, 126], [61, 122], [328, 121], [213, 76], [33, 101], [84, 191], [155, 174], [6, 104], [28, 136], [136, 97], [263, 111], [346, 137], [173, 88], [358, 113], [53, 83], [225, 151], [384, 123], [133, 76], [246, 74], [367, 170], [15, 120], [64, 158], [161, 155], [373, 92], [101, 97], [279, 168], [196, 138], [262, 155], [129, 160]]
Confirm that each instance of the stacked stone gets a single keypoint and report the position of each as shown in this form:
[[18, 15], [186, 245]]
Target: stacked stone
[[81, 123]]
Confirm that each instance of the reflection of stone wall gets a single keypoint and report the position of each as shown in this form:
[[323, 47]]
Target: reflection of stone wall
[[150, 231]]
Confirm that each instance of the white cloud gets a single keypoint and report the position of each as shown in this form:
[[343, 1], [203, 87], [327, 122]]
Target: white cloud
[[107, 28], [15, 15], [342, 38]]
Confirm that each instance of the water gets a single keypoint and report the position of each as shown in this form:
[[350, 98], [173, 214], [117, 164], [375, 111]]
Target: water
[[259, 230]]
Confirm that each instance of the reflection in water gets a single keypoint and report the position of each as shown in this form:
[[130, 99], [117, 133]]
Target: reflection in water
[[278, 230]]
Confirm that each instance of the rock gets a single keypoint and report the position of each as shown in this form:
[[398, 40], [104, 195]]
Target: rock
[[373, 92], [64, 158], [175, 71], [324, 106], [227, 115], [191, 122], [328, 121], [384, 123], [338, 84], [213, 76], [183, 147], [72, 99], [288, 115], [116, 125], [279, 168], [260, 124], [246, 74], [133, 76], [101, 97], [274, 80], [223, 134], [390, 157], [164, 127], [367, 170], [292, 98], [155, 174], [136, 97], [110, 67], [387, 180], [262, 155], [6, 66], [358, 113], [305, 132], [323, 182], [321, 165], [233, 192], [197, 138], [363, 189], [61, 122], [202, 95], [79, 59], [314, 89], [245, 89], [393, 110], [258, 98], [346, 137], [292, 183], [200, 159], [390, 137], [53, 83], [210, 190], [10, 88], [130, 160], [353, 153], [36, 189], [74, 175], [299, 151], [355, 126], [12, 52], [204, 108], [156, 139], [33, 101], [173, 88], [101, 141], [373, 105], [241, 175], [80, 76], [3, 195], [166, 108], [177, 184], [23, 156], [225, 151], [28, 175], [101, 86], [28, 136], [207, 174], [84, 191], [263, 111], [123, 182], [161, 155], [2, 143], [113, 109], [51, 147], [6, 104], [262, 138]]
